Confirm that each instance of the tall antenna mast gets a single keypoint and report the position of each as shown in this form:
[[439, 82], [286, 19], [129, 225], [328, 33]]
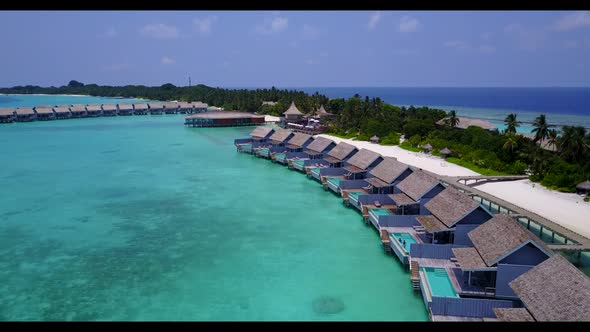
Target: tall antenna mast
[[189, 81]]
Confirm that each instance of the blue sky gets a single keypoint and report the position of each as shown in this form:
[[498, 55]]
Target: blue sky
[[297, 48]]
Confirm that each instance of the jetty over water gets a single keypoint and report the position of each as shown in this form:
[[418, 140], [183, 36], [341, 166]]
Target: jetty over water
[[223, 119]]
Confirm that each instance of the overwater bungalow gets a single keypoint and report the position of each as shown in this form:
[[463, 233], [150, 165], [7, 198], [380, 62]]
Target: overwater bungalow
[[293, 149], [583, 188], [554, 290], [62, 112], [223, 119], [94, 110], [380, 180], [25, 114], [107, 109], [185, 107], [171, 107], [502, 249], [275, 143], [78, 111], [156, 108], [258, 136], [125, 109], [355, 168], [142, 109], [331, 164], [314, 151], [200, 107], [7, 115], [45, 113]]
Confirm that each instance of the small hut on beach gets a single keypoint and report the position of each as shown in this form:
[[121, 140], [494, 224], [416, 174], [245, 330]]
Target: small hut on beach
[[375, 139], [583, 188], [427, 148], [445, 152]]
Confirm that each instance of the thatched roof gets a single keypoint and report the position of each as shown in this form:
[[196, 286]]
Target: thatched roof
[[374, 138], [319, 144], [106, 107], [501, 236], [389, 169], [402, 199], [445, 151], [94, 107], [280, 135], [171, 105], [465, 122], [140, 106], [292, 110], [427, 146], [156, 106], [44, 109], [298, 140], [469, 259], [260, 132], [584, 185], [417, 184], [431, 224], [450, 206], [74, 109], [199, 104], [7, 111], [125, 106], [341, 150], [322, 112], [184, 104], [513, 315], [25, 111], [554, 290], [364, 158]]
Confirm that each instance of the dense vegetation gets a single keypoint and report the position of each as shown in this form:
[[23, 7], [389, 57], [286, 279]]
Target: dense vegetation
[[486, 152]]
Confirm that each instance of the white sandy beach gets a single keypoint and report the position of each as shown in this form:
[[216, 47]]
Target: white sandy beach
[[568, 210]]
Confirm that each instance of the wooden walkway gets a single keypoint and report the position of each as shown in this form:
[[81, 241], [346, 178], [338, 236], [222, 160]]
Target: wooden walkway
[[580, 242], [481, 179]]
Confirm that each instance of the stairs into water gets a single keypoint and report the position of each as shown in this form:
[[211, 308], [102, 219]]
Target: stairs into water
[[414, 275]]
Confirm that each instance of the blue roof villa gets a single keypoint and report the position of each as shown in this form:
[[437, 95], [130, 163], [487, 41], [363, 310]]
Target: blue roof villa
[[315, 151], [333, 163], [354, 168]]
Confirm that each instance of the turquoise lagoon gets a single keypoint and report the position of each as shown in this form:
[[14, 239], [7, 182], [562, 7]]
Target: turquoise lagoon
[[141, 218]]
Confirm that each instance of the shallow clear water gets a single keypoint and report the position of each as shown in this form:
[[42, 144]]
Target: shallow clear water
[[440, 284], [141, 218]]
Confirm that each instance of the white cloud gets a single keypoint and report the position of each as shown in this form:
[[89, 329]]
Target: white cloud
[[115, 67], [276, 25], [374, 19], [525, 38], [203, 25], [160, 31], [310, 32], [573, 21], [167, 60], [408, 24]]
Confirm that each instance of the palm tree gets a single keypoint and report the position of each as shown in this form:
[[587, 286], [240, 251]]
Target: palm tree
[[511, 123], [541, 128], [510, 143], [571, 143], [553, 139], [452, 120]]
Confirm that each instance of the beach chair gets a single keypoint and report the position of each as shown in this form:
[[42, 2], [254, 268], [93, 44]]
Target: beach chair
[[377, 204]]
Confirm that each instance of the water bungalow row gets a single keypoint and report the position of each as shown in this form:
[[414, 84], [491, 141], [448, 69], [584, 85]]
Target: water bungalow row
[[224, 119], [47, 112], [469, 262]]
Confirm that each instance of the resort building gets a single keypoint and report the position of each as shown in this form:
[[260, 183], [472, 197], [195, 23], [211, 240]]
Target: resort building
[[332, 163], [25, 114], [223, 119], [293, 149], [185, 107], [502, 250], [355, 168], [199, 107], [156, 108], [380, 180], [465, 122], [125, 109], [62, 112], [258, 136], [314, 151], [292, 113], [275, 142], [171, 107], [554, 290], [107, 109], [7, 115], [45, 113], [141, 109], [94, 110], [321, 113], [78, 111]]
